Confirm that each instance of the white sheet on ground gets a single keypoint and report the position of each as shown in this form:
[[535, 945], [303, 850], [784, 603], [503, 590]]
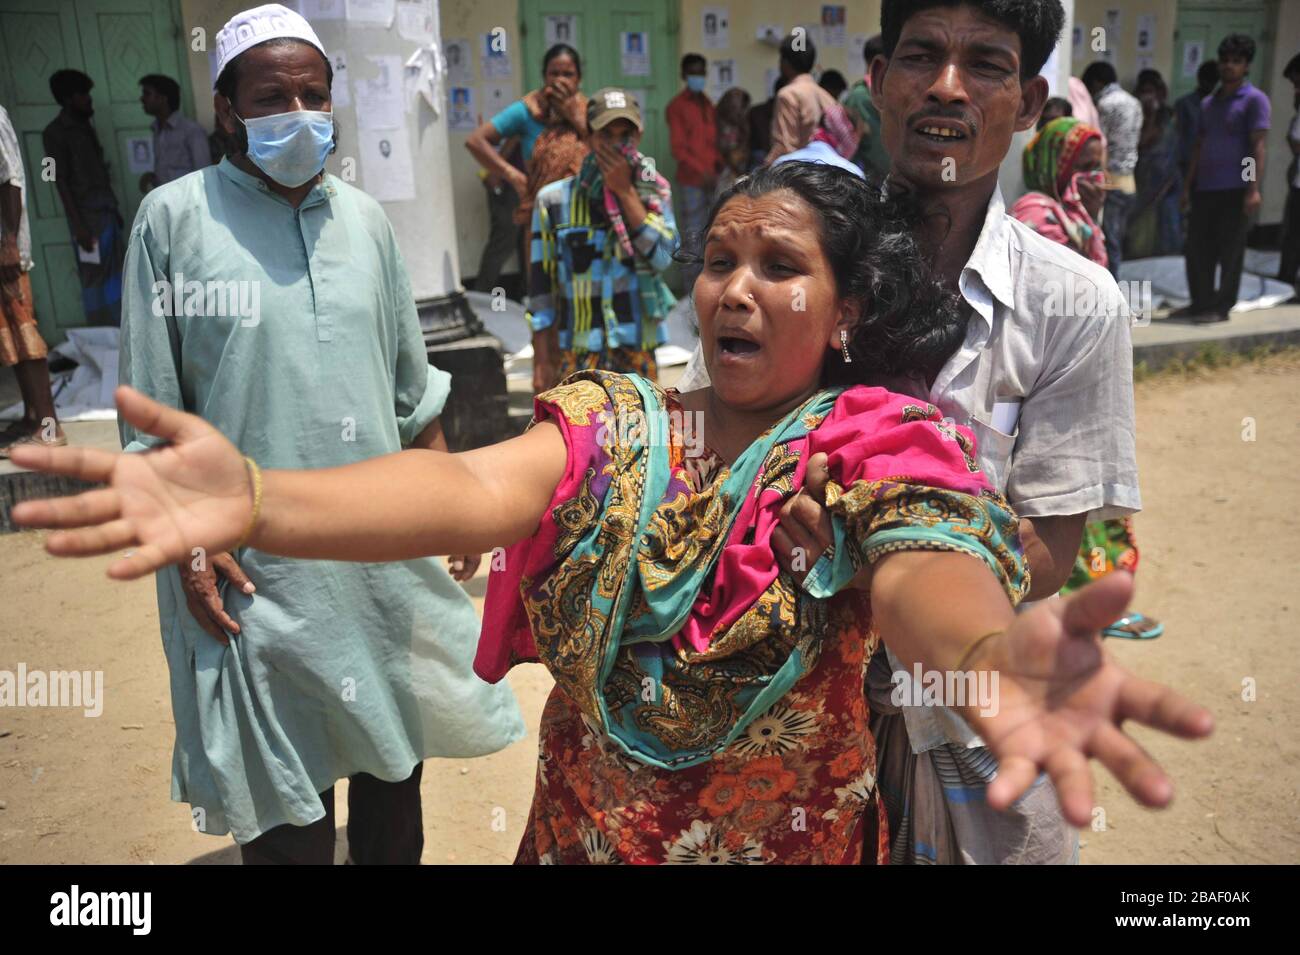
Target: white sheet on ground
[[86, 392], [1168, 277]]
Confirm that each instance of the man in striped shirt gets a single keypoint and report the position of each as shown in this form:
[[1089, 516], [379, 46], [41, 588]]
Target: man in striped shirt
[[600, 241]]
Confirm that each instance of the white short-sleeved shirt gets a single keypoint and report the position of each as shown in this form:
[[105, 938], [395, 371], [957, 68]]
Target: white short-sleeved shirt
[[1044, 379], [11, 173]]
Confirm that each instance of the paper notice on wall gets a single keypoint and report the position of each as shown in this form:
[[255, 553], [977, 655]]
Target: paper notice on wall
[[339, 91], [379, 96], [377, 13], [139, 154], [1193, 56], [855, 64], [415, 21], [769, 33], [1114, 29], [561, 28], [461, 117], [1076, 43], [635, 53], [717, 28], [1145, 61], [722, 77], [460, 61], [424, 76], [1146, 42], [496, 97], [495, 56], [315, 10], [387, 172], [833, 23]]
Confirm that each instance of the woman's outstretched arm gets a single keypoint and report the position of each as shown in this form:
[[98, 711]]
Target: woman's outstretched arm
[[1053, 698], [196, 492]]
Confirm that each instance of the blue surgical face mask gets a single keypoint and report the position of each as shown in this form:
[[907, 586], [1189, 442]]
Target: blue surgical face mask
[[290, 147], [695, 83]]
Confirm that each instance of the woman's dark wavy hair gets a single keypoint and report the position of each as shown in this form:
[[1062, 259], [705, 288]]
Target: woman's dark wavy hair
[[909, 323], [562, 49]]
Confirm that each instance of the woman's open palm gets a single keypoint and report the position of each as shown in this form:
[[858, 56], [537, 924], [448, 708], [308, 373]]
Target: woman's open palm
[[193, 492], [1061, 701]]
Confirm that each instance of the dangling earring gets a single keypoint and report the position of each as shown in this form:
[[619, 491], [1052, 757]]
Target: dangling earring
[[844, 346]]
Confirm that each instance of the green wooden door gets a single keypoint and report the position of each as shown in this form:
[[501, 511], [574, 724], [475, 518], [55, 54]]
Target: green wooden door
[[114, 42], [599, 26], [1206, 24]]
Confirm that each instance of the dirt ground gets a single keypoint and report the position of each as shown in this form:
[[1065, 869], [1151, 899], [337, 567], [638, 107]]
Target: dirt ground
[[1220, 550]]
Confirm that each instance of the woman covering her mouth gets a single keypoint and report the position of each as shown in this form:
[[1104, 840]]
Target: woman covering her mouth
[[709, 705]]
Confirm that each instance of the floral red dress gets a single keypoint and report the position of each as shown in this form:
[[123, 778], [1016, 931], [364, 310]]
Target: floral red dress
[[796, 787]]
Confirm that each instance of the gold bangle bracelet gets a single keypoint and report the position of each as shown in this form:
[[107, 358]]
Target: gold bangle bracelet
[[255, 474], [970, 650]]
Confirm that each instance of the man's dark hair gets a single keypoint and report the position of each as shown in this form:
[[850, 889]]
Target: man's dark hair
[[1292, 71], [1207, 75], [873, 48], [1100, 73], [165, 86], [909, 322], [800, 60], [65, 84], [1037, 22], [228, 82], [693, 59], [1237, 45], [833, 82]]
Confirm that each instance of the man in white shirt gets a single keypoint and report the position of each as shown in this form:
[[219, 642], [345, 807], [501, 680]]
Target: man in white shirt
[[1043, 376], [1120, 113]]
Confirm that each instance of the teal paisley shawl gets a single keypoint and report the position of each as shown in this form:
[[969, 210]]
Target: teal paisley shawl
[[661, 611]]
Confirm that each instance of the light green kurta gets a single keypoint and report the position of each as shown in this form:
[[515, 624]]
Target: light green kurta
[[339, 668]]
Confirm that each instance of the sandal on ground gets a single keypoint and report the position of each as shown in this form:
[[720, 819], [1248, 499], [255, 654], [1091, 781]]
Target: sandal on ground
[[1134, 626], [15, 430], [34, 438]]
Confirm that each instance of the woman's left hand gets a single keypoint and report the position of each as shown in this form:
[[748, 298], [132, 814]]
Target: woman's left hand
[[1060, 700]]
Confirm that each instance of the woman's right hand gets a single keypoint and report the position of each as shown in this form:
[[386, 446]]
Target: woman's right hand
[[171, 503]]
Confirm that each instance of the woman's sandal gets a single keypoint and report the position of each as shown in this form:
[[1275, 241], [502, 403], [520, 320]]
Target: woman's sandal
[[1134, 626]]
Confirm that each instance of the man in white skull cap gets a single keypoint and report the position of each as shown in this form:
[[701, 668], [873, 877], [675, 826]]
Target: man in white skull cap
[[288, 675]]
